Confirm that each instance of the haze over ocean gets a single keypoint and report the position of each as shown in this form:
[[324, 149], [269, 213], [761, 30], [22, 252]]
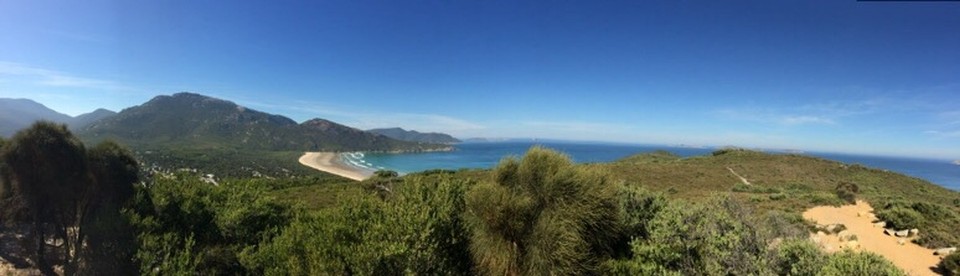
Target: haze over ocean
[[487, 154], [876, 78]]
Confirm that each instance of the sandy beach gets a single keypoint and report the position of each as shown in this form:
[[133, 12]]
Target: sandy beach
[[912, 258], [329, 162]]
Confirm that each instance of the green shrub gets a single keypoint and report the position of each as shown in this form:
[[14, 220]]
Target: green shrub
[[849, 263], [542, 215], [779, 196], [822, 198], [417, 230], [799, 257], [901, 218], [847, 191], [838, 229], [637, 207], [721, 237], [950, 265]]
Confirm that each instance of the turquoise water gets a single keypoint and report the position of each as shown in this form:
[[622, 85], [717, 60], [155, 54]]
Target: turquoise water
[[488, 154]]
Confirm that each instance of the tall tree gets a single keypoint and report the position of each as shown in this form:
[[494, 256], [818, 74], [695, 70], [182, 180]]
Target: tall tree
[[107, 234], [47, 171], [542, 215], [61, 193]]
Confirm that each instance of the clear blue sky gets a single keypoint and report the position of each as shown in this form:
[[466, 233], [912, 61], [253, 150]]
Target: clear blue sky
[[863, 77]]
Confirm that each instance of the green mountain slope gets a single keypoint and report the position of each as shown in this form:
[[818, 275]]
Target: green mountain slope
[[187, 120], [16, 114], [415, 136], [86, 119]]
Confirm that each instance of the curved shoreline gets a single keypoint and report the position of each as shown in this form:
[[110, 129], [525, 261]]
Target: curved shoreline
[[330, 162]]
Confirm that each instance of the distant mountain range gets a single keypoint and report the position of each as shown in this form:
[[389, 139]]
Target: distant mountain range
[[415, 136], [16, 114], [188, 120]]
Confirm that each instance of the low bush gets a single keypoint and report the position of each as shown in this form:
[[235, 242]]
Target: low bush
[[850, 263], [847, 191], [778, 196], [799, 257], [900, 218], [950, 265]]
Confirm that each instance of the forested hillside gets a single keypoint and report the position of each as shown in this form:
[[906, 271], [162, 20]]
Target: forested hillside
[[193, 121], [415, 136]]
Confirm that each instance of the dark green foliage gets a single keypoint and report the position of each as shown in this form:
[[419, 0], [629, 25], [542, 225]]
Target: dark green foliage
[[778, 196], [937, 221], [756, 189], [48, 174], [59, 191], [542, 215], [231, 163], [187, 120], [798, 257], [414, 136], [418, 229], [4, 182], [110, 237], [637, 207], [900, 217], [189, 226], [848, 263], [950, 265], [721, 237], [848, 191], [385, 174], [726, 150]]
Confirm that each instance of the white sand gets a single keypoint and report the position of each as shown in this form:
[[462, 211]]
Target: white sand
[[330, 162], [912, 258]]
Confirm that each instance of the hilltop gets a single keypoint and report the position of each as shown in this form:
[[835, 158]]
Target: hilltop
[[415, 136], [188, 120], [189, 130], [17, 114]]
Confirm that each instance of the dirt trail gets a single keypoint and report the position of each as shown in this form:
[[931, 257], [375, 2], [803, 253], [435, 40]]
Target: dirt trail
[[744, 180], [912, 258]]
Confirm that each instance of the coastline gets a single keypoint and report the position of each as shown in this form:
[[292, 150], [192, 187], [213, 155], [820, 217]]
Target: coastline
[[330, 162]]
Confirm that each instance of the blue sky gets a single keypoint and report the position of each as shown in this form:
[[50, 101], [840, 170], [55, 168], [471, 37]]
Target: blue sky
[[861, 77]]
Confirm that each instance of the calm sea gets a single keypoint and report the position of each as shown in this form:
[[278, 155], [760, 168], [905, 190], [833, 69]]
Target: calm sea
[[488, 154]]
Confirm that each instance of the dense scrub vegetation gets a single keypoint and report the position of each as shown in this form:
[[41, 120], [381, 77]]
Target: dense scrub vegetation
[[230, 163], [793, 183], [539, 214], [54, 189]]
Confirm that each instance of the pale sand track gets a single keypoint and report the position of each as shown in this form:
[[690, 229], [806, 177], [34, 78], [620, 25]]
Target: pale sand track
[[330, 162], [912, 258]]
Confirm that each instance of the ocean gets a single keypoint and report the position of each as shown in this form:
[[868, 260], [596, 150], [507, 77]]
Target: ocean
[[488, 154]]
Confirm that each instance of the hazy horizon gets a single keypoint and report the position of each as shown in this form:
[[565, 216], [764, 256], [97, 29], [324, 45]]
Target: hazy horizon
[[851, 77]]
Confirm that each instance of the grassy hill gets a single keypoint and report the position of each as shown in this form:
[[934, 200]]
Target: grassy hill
[[806, 180]]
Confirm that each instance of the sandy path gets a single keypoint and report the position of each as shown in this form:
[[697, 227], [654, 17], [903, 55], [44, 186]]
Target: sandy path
[[329, 162], [912, 258]]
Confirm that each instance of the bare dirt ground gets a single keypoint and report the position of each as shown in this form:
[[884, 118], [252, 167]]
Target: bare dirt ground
[[912, 258]]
